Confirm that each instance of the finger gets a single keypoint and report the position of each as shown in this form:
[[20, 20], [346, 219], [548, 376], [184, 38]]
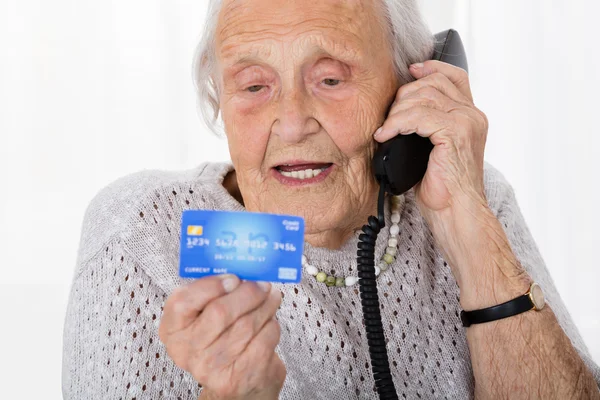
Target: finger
[[424, 121], [260, 350], [427, 96], [437, 81], [271, 375], [457, 76], [185, 303], [222, 312], [277, 370], [233, 341]]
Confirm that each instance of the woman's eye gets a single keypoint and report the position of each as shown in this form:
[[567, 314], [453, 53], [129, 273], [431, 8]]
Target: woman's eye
[[331, 82], [254, 88]]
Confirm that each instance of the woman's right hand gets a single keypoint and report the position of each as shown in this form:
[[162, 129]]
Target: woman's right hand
[[224, 333]]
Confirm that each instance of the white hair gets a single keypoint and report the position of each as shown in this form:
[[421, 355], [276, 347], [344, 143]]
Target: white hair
[[410, 39]]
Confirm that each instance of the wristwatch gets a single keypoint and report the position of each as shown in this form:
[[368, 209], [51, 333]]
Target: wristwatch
[[532, 300]]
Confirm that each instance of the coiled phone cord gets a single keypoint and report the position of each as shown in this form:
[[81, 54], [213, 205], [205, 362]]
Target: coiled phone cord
[[370, 302]]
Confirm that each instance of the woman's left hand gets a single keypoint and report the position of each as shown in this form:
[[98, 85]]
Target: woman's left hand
[[439, 105], [451, 196]]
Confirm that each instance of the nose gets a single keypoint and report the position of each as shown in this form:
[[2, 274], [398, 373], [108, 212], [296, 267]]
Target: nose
[[294, 117]]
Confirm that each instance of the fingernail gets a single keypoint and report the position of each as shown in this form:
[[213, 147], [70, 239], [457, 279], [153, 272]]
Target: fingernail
[[417, 66], [378, 131], [230, 282], [265, 286]]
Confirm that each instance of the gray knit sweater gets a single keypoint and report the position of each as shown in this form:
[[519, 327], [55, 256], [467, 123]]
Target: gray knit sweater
[[128, 265]]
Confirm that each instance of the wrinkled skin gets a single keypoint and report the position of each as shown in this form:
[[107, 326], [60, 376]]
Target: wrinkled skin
[[321, 78]]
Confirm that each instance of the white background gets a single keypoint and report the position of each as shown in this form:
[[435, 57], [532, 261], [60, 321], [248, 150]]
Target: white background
[[91, 91]]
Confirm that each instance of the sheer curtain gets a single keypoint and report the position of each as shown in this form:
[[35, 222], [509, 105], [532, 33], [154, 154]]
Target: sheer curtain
[[92, 91]]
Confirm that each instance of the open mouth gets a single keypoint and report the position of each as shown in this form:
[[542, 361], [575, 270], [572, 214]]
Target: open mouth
[[306, 171]]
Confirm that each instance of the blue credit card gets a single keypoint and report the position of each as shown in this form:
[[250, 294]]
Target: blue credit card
[[253, 246]]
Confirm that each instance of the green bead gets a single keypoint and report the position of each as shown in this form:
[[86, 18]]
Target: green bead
[[339, 282], [388, 258], [330, 281], [321, 276]]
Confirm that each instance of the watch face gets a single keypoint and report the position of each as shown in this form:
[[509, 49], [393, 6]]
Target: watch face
[[537, 296]]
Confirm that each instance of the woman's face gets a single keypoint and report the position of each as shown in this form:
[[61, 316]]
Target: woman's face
[[304, 86]]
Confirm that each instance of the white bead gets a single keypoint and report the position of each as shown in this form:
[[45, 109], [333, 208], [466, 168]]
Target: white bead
[[304, 260], [395, 217], [311, 269], [351, 280], [394, 229], [393, 242], [391, 251], [383, 265], [377, 270]]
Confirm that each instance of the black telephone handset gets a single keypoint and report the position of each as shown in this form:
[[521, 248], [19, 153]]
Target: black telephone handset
[[399, 164]]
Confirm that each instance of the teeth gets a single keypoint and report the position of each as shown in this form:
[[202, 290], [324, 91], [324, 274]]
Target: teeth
[[302, 174]]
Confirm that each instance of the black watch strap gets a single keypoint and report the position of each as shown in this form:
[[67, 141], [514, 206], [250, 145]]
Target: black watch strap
[[512, 307]]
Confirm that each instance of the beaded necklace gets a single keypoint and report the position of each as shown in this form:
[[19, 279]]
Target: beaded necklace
[[396, 202]]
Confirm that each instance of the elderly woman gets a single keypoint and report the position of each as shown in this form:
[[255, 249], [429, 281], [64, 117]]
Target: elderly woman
[[304, 88]]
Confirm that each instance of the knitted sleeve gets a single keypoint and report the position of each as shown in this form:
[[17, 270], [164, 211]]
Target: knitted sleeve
[[502, 200], [111, 345]]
